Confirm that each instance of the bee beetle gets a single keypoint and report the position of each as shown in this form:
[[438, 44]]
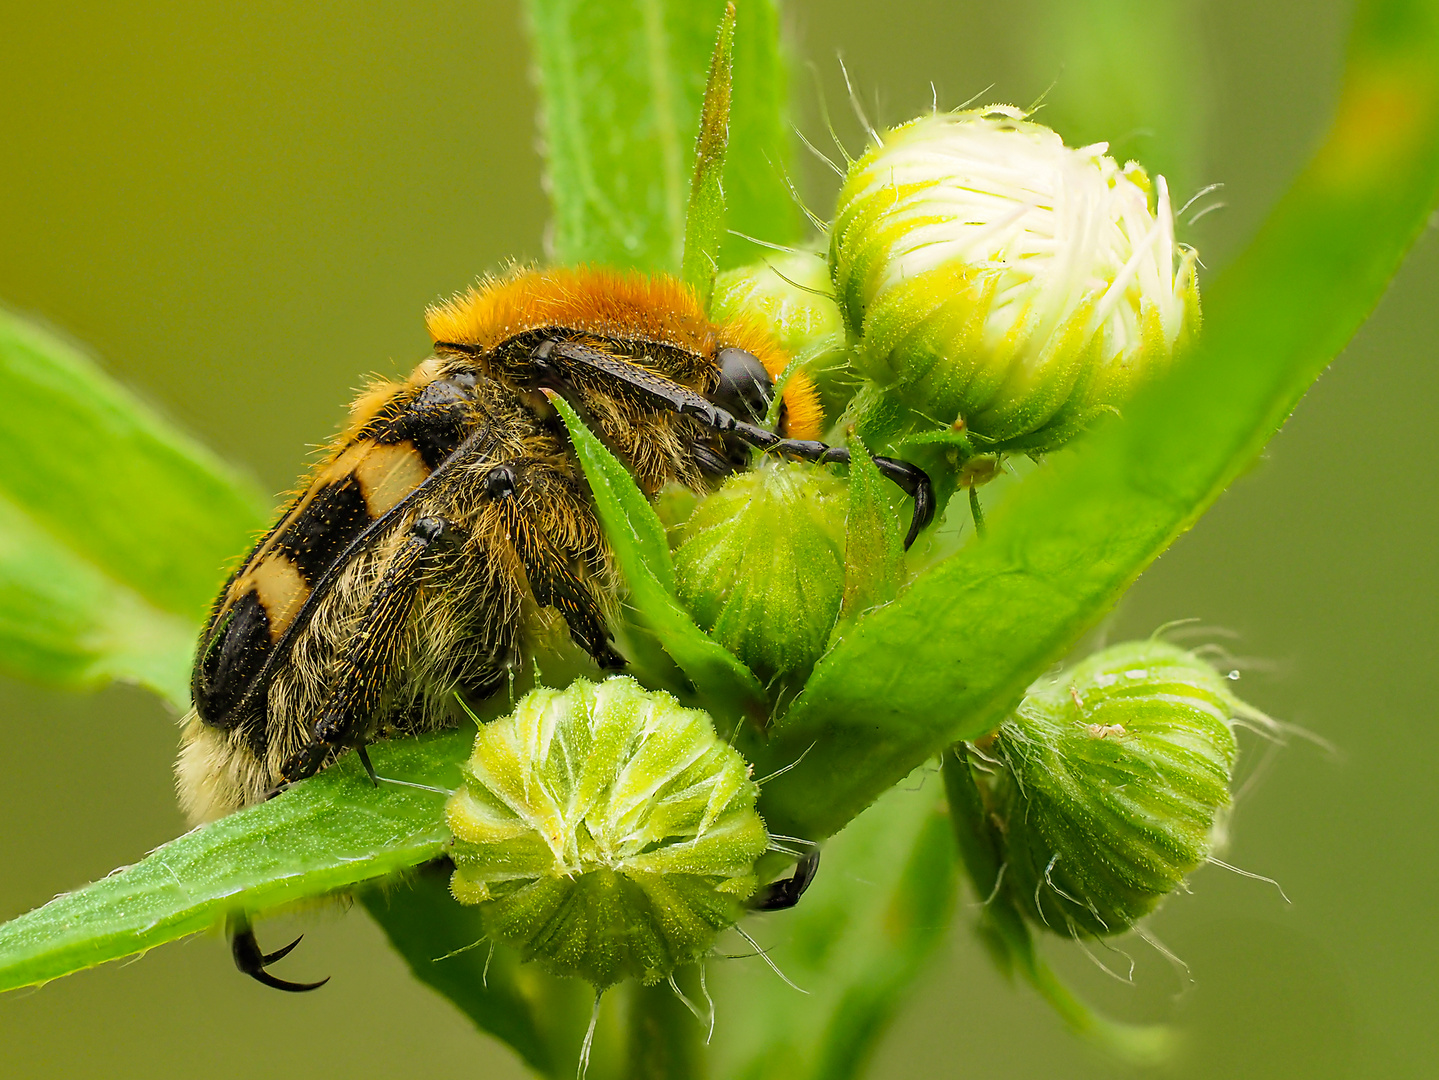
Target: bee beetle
[[449, 528]]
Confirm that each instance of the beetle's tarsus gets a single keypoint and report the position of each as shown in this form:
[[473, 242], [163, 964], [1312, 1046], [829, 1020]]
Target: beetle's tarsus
[[785, 893], [250, 960], [364, 756]]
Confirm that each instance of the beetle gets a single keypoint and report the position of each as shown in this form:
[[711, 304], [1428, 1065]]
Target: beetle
[[448, 533]]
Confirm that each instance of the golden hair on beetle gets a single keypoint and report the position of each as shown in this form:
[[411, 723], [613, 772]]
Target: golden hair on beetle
[[448, 528]]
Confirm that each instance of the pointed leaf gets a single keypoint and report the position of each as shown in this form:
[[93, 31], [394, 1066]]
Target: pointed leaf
[[642, 553], [620, 90], [324, 834], [705, 222], [115, 529], [959, 648]]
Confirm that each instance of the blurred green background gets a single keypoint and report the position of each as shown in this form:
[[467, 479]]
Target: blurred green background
[[243, 208]]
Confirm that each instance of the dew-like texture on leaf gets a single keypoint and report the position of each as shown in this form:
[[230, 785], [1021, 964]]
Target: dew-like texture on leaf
[[115, 529], [325, 834]]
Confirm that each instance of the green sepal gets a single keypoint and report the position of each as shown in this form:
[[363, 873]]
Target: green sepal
[[642, 553], [705, 222], [761, 566], [605, 831], [874, 540], [1007, 938]]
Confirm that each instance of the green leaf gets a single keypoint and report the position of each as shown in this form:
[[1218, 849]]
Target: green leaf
[[542, 1017], [879, 908], [115, 529], [959, 648], [620, 89], [758, 197], [729, 689], [705, 222], [325, 834]]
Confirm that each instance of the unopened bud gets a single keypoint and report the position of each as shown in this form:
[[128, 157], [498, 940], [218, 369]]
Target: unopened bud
[[792, 296], [605, 831], [761, 566], [1003, 284], [1110, 783]]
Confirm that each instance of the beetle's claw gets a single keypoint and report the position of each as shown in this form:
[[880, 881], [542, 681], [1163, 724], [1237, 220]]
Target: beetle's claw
[[785, 893], [249, 959]]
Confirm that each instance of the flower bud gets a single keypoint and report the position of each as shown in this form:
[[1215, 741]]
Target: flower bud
[[1110, 785], [1004, 284], [605, 831], [761, 566], [790, 295]]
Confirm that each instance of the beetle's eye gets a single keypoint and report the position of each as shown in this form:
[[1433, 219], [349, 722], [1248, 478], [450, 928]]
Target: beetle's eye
[[744, 386]]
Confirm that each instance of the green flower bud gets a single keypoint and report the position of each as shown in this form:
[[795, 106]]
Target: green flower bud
[[761, 566], [1002, 283], [790, 295], [605, 831], [1110, 785]]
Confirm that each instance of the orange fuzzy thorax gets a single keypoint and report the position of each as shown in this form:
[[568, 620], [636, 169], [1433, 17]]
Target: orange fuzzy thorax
[[620, 306]]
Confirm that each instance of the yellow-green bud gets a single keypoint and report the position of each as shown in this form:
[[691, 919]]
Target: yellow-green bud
[[761, 565], [605, 831], [1003, 283], [790, 295], [788, 292], [1110, 784]]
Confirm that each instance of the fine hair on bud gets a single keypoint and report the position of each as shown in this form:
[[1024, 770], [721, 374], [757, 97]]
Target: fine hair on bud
[[1001, 284], [761, 566], [1109, 784], [605, 831]]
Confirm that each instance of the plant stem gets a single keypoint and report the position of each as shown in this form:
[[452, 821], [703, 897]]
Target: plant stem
[[976, 511], [541, 1017], [666, 1038]]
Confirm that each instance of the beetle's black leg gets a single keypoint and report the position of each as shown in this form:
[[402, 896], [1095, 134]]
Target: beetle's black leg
[[913, 480], [711, 462], [364, 756], [552, 357], [249, 959], [366, 666], [785, 893]]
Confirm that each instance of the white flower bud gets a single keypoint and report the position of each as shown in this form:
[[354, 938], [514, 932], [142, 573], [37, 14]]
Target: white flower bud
[[1003, 283]]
